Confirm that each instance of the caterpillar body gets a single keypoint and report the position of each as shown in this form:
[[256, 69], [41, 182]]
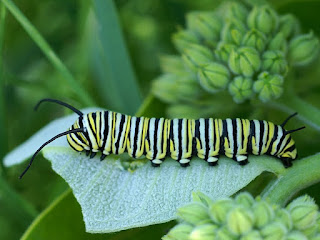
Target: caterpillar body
[[157, 138]]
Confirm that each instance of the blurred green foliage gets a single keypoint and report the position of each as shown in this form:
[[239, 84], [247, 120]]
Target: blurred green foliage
[[70, 27]]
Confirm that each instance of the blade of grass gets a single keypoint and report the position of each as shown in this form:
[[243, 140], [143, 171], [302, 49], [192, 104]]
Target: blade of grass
[[119, 80], [3, 129], [48, 52]]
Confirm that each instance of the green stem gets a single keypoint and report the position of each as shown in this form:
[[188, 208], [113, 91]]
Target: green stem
[[291, 103], [50, 54], [304, 173]]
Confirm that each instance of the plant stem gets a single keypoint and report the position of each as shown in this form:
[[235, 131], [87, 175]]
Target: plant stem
[[50, 54], [291, 103], [304, 173]]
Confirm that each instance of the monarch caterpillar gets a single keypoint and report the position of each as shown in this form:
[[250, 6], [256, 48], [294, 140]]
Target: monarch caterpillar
[[116, 133]]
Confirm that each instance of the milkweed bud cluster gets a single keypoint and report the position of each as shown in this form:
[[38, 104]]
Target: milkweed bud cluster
[[245, 51], [246, 218]]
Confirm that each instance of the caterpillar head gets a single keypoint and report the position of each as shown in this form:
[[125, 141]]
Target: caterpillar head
[[78, 129], [286, 149]]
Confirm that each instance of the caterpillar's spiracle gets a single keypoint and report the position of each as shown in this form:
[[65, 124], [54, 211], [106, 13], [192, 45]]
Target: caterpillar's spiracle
[[115, 133]]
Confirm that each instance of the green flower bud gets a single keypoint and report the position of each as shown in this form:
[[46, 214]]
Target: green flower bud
[[172, 88], [224, 234], [196, 55], [180, 231], [278, 42], [253, 235], [289, 25], [303, 49], [201, 198], [245, 61], [245, 199], [274, 62], [206, 25], [311, 231], [193, 213], [255, 39], [223, 50], [236, 10], [233, 32], [203, 232], [295, 235], [304, 212], [219, 209], [171, 64], [268, 86], [213, 77], [284, 217], [274, 231], [240, 220], [263, 18], [263, 213], [183, 38], [240, 89]]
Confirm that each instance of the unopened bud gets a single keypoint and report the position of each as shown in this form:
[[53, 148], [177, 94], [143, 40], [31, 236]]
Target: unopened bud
[[278, 42], [240, 220], [236, 10], [233, 32], [263, 18], [219, 209], [223, 50], [193, 213], [263, 213], [284, 217], [245, 61], [183, 38], [180, 231], [171, 64], [203, 232], [201, 198], [196, 55], [206, 25], [256, 39], [224, 234], [213, 77], [295, 235], [274, 231], [304, 212], [240, 89], [252, 235], [289, 25], [245, 199], [274, 62], [268, 86], [303, 49]]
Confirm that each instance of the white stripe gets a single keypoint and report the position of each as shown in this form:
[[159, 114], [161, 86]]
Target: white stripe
[[175, 135], [230, 133], [202, 134], [257, 134], [276, 142]]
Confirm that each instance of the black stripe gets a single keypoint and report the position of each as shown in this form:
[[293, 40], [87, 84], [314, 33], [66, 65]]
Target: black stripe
[[235, 139], [106, 128], [101, 114], [197, 131], [214, 134], [223, 136], [279, 144], [124, 141], [119, 133], [287, 142], [135, 137], [170, 137], [155, 138], [162, 136], [242, 134], [206, 137], [274, 137], [251, 135], [261, 136], [179, 138]]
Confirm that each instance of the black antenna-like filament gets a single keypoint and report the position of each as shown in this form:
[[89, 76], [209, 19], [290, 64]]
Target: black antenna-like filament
[[294, 130], [59, 102], [288, 118], [46, 143]]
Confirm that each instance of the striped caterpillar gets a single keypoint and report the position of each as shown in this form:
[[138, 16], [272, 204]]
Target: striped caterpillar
[[115, 133]]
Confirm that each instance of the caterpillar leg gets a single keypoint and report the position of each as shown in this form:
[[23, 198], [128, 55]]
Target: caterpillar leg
[[184, 162], [103, 156], [242, 159], [156, 162], [213, 161], [286, 162], [92, 155], [87, 152]]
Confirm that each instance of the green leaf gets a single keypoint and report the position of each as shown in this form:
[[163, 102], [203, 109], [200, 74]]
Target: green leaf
[[63, 220], [113, 198], [116, 79]]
